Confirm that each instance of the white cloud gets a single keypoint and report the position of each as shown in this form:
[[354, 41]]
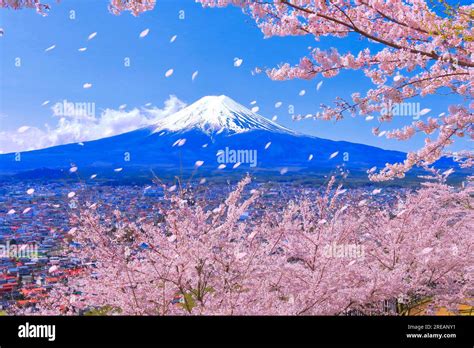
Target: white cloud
[[79, 129]]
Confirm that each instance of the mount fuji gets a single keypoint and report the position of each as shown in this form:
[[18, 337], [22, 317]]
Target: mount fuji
[[216, 134], [214, 114]]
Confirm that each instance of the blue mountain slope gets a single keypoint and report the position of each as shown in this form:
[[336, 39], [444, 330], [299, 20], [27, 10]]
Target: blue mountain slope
[[204, 129]]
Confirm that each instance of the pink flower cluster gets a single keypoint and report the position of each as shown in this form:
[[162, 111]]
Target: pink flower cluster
[[18, 4], [134, 6], [196, 259]]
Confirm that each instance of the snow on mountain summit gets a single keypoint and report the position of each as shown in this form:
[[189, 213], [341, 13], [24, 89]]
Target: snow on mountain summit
[[217, 113]]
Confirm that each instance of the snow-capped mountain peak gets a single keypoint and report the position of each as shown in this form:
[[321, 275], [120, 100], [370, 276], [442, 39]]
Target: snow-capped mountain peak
[[213, 114]]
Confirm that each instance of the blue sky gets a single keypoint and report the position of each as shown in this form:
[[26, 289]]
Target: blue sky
[[207, 41]]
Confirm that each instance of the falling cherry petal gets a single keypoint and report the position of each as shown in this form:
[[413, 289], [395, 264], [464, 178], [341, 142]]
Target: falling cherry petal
[[169, 73], [426, 251], [369, 118], [221, 166], [268, 145], [278, 104], [202, 181], [302, 93], [274, 118], [310, 157], [46, 102], [71, 194], [236, 165], [448, 172], [423, 112], [198, 163], [240, 255], [23, 129], [93, 176], [172, 188], [73, 169], [117, 170], [251, 235], [26, 210], [195, 74], [255, 109], [334, 154], [87, 85], [144, 33], [376, 191], [82, 49], [11, 212], [401, 212], [173, 38], [91, 36], [30, 191], [318, 86], [238, 62], [50, 48], [283, 171]]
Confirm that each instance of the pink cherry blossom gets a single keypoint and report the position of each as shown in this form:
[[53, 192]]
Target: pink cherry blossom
[[279, 263]]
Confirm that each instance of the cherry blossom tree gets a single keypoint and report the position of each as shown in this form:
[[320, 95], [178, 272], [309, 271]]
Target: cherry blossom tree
[[195, 258], [134, 6], [420, 53], [40, 7], [115, 6]]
